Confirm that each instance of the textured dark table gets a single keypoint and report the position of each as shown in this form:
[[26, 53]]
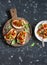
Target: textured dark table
[[34, 11]]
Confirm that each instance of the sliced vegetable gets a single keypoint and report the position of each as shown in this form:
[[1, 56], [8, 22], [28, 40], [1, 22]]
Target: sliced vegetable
[[26, 27], [26, 30], [13, 42], [9, 27]]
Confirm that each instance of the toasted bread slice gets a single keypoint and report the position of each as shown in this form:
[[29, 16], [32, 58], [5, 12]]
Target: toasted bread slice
[[21, 37], [10, 35]]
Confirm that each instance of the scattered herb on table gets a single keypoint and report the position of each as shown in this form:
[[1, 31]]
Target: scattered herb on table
[[32, 45]]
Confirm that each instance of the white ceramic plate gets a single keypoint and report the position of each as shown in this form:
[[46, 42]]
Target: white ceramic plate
[[36, 28]]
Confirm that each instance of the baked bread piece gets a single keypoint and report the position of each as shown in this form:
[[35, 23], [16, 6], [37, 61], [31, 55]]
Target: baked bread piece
[[21, 37], [10, 35]]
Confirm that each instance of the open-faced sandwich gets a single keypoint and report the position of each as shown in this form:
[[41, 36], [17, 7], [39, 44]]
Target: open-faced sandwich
[[21, 37], [10, 35]]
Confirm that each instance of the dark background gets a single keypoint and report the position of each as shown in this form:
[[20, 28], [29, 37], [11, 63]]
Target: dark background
[[34, 11]]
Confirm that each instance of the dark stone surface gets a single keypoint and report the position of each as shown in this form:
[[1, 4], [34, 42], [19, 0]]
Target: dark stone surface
[[34, 11]]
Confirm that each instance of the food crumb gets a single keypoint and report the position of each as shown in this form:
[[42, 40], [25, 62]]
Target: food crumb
[[20, 59], [19, 63], [9, 1], [30, 61], [37, 60], [11, 56]]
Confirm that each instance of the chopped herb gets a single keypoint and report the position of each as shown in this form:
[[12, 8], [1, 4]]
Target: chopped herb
[[13, 42], [33, 44], [26, 27], [9, 27], [26, 30]]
